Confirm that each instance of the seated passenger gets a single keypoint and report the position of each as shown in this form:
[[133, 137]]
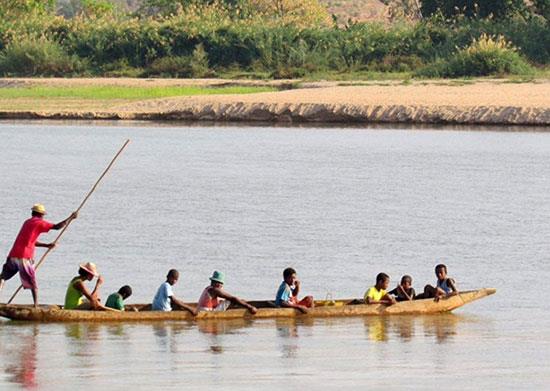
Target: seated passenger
[[77, 291], [377, 294], [214, 298], [116, 300], [287, 295], [164, 298], [445, 286], [404, 291]]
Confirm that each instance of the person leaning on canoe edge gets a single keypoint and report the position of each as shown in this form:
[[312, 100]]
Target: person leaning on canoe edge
[[445, 286], [215, 298], [21, 256], [377, 294], [165, 300]]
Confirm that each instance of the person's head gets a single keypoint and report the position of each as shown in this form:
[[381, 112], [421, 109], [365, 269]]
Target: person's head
[[172, 276], [441, 272], [382, 281], [289, 275], [217, 280], [38, 210], [125, 292], [87, 271], [406, 282]]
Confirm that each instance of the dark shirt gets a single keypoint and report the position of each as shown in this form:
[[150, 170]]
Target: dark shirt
[[399, 296]]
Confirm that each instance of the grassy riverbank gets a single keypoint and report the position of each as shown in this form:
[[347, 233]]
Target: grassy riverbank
[[101, 95], [478, 101]]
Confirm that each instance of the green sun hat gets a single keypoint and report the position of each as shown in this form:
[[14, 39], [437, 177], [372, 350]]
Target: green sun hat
[[218, 277]]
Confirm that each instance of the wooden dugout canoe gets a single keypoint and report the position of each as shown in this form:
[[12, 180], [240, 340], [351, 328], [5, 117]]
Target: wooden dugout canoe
[[323, 309]]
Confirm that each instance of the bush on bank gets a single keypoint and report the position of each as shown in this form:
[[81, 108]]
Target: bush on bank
[[211, 40], [486, 56]]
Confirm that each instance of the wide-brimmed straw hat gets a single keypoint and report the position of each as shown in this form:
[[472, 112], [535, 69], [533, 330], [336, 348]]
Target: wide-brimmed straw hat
[[39, 208], [218, 277], [90, 268]]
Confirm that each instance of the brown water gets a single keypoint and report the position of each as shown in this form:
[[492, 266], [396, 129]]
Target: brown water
[[339, 205]]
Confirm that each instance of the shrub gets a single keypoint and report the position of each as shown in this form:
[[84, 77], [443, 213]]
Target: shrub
[[198, 62], [37, 57], [172, 66], [485, 56]]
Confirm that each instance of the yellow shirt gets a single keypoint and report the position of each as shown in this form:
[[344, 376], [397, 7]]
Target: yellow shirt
[[375, 294]]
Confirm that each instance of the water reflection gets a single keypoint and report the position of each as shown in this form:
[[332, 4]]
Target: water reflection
[[442, 327], [405, 328], [217, 328], [166, 334], [288, 330], [23, 370]]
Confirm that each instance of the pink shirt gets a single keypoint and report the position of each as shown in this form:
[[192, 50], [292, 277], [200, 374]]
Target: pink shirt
[[24, 243], [206, 301]]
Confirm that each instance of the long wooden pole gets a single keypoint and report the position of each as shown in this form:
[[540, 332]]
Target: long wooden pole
[[78, 210]]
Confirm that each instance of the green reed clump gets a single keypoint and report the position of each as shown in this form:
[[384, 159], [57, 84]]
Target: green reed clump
[[38, 57], [486, 56]]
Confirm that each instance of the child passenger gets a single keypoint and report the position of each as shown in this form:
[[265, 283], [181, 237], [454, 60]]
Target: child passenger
[[377, 294], [404, 291], [287, 294], [445, 285], [164, 298], [116, 300]]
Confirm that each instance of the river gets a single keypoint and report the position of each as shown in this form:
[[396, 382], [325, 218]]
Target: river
[[337, 204]]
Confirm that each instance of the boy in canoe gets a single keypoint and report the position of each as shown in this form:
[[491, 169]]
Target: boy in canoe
[[116, 300], [21, 257], [287, 294], [214, 298], [377, 294], [444, 287], [77, 290], [165, 300], [404, 291]]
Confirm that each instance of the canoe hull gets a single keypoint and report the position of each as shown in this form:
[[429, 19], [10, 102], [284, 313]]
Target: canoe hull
[[323, 310]]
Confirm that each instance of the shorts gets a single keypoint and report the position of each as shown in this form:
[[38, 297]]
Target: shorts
[[25, 267], [222, 306]]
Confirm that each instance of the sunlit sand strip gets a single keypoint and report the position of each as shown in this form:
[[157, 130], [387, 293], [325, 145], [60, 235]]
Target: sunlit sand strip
[[483, 102]]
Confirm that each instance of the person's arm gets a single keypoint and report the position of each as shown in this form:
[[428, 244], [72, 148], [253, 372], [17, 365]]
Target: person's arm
[[63, 223], [180, 304], [234, 299], [400, 288], [296, 289], [386, 300], [91, 296], [48, 245], [451, 284]]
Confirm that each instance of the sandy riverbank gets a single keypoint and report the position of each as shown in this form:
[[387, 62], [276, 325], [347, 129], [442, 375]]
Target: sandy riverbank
[[480, 102]]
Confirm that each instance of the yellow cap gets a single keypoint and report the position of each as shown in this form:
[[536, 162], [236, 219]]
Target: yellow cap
[[39, 208]]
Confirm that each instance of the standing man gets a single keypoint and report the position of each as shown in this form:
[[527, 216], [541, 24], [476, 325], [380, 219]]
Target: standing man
[[21, 257]]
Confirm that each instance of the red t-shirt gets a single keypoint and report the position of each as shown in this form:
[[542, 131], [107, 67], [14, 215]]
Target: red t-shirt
[[26, 239]]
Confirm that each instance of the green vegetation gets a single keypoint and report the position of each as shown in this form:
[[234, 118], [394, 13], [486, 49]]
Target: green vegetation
[[125, 93], [269, 39], [483, 57]]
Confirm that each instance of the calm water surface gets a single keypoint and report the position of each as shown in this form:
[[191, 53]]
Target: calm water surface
[[340, 205]]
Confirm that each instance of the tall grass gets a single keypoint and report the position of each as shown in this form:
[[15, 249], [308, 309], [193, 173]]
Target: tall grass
[[213, 41]]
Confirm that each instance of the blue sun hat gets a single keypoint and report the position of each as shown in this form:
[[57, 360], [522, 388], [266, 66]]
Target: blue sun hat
[[218, 277]]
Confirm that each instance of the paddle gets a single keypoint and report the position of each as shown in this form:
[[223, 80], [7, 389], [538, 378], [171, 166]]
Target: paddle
[[69, 222]]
